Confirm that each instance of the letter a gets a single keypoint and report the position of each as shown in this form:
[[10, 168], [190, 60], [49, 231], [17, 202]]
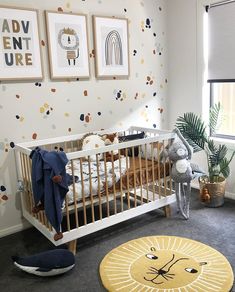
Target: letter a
[[5, 26]]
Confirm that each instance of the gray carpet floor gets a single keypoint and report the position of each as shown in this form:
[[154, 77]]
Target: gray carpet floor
[[212, 226]]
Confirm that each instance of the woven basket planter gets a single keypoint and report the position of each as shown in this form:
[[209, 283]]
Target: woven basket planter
[[212, 193]]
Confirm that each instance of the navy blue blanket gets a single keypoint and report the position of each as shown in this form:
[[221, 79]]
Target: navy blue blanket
[[50, 182]]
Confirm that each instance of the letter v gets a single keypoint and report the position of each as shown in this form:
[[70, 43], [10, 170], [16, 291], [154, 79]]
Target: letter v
[[25, 26]]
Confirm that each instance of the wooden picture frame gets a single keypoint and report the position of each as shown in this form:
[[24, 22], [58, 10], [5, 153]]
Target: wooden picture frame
[[111, 47], [20, 51], [68, 45]]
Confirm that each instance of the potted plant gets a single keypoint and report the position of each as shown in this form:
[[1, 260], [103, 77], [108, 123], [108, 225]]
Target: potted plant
[[198, 135]]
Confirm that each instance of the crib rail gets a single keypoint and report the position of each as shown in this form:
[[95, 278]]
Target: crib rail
[[131, 179]]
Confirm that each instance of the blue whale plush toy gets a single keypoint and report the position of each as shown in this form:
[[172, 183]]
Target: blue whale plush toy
[[48, 263]]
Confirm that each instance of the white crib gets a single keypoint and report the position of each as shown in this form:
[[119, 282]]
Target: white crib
[[143, 183]]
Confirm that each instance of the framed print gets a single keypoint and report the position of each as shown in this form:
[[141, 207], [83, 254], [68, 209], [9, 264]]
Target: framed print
[[20, 54], [68, 45], [111, 46]]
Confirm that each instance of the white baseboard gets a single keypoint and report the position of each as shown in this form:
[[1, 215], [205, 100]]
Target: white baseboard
[[15, 228], [229, 195]]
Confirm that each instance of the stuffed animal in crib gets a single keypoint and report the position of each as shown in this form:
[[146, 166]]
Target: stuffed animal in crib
[[110, 139], [92, 141]]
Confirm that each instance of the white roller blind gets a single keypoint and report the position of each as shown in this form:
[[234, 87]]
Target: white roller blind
[[221, 43]]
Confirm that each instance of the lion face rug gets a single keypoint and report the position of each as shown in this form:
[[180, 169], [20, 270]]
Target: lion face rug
[[165, 264]]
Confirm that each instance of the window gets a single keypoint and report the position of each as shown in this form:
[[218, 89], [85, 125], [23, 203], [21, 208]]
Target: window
[[221, 63], [225, 94]]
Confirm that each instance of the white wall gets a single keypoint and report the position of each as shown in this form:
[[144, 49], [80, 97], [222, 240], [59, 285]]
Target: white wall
[[187, 89]]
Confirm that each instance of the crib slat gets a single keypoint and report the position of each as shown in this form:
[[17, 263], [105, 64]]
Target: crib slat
[[164, 173], [113, 182], [106, 186], [121, 185], [91, 194], [83, 194], [141, 179], [134, 172], [28, 202], [146, 171], [153, 179], [74, 195], [169, 167], [159, 170], [67, 213], [128, 179], [99, 194]]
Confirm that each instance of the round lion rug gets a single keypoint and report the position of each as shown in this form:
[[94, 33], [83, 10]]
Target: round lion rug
[[165, 264]]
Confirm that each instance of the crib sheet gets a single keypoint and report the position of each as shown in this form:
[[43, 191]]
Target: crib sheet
[[83, 184]]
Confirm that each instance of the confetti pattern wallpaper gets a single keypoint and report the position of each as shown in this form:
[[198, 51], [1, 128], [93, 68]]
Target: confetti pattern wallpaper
[[38, 110]]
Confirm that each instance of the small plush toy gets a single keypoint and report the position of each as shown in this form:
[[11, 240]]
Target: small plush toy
[[92, 141], [180, 153], [110, 139], [48, 263]]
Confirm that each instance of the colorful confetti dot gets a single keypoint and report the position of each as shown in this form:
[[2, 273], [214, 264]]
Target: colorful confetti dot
[[34, 136], [2, 188], [82, 117], [88, 118], [4, 197]]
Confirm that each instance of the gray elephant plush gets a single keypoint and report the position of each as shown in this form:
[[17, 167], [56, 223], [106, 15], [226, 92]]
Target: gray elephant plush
[[182, 172]]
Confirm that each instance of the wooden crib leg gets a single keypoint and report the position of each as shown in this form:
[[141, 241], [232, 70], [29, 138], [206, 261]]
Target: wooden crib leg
[[72, 246], [167, 210]]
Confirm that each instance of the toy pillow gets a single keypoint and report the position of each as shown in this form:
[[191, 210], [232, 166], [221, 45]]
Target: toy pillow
[[110, 139], [48, 263], [93, 141]]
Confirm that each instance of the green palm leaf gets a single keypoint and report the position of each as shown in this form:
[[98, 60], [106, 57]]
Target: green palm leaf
[[224, 168], [217, 155], [214, 118], [193, 129]]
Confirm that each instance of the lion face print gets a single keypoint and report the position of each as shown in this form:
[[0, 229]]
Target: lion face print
[[159, 267]]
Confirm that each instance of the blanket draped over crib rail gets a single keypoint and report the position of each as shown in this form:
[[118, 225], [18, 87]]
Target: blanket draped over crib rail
[[50, 183]]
